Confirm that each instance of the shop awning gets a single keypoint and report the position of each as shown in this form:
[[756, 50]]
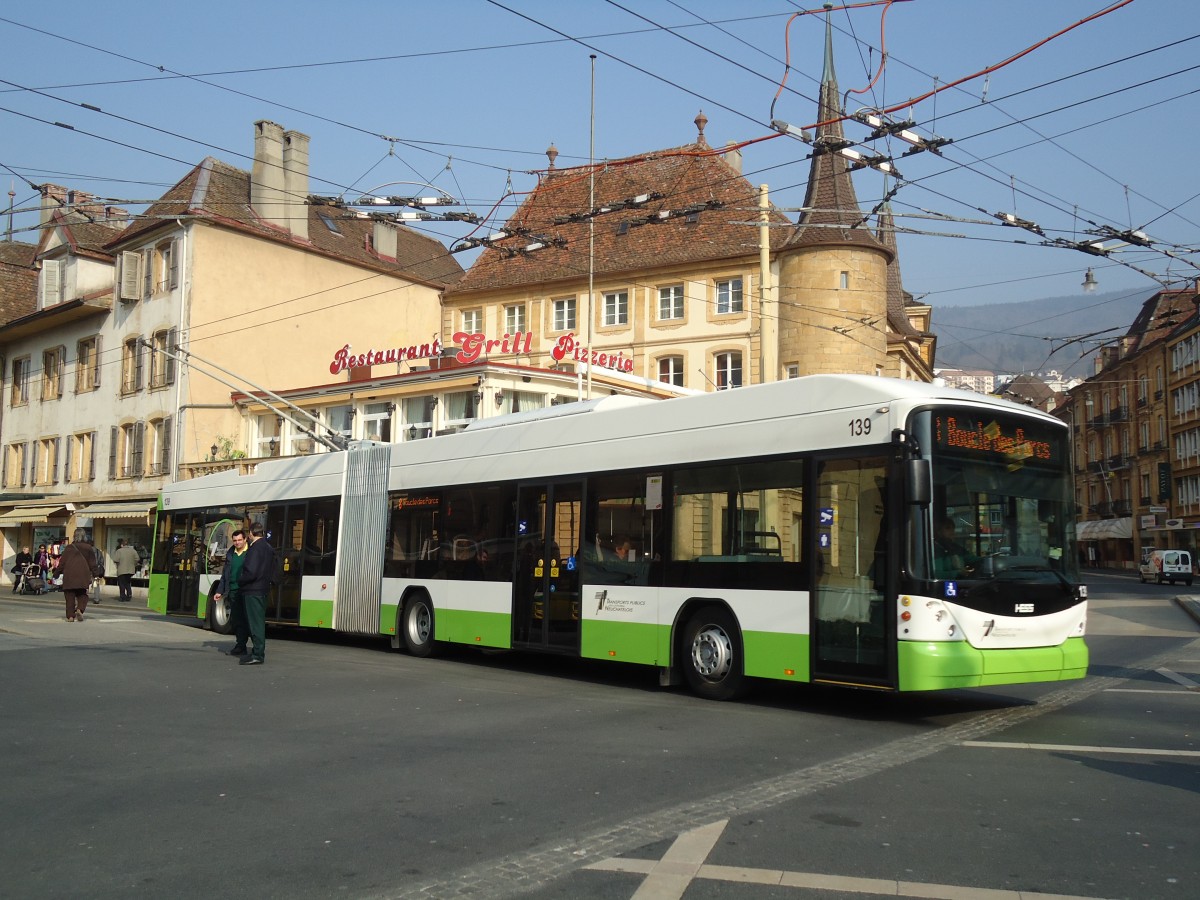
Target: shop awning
[[126, 509], [38, 515], [1105, 529]]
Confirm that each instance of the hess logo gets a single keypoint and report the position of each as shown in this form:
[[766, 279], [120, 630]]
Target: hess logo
[[1023, 608]]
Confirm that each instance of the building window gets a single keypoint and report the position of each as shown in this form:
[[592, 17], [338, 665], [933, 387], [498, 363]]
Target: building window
[[87, 365], [564, 314], [162, 365], [340, 418], [791, 370], [729, 370], [43, 468], [377, 422], [729, 296], [844, 281], [167, 267], [126, 452], [670, 370], [159, 450], [266, 429], [670, 302], [418, 418], [132, 374], [461, 408], [14, 465], [514, 318], [80, 462], [53, 362], [472, 321], [19, 394], [616, 308]]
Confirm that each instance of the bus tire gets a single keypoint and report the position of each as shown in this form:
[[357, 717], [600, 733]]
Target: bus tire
[[711, 654], [416, 625], [220, 615]]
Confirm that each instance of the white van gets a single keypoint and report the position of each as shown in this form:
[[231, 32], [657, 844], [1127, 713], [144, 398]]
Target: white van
[[1166, 565]]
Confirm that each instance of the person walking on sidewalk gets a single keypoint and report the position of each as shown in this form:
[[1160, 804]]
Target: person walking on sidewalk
[[229, 585], [258, 571], [78, 566], [126, 559]]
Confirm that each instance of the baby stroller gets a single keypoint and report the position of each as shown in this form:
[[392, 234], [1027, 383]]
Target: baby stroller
[[30, 581]]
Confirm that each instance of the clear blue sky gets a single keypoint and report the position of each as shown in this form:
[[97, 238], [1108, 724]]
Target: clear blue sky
[[479, 85]]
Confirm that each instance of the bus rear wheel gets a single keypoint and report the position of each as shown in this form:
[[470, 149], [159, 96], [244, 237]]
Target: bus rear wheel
[[712, 655], [220, 615], [416, 626]]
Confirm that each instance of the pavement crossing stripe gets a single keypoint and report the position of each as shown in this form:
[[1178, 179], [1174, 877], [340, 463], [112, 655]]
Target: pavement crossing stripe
[[1073, 748], [683, 863], [1179, 679]]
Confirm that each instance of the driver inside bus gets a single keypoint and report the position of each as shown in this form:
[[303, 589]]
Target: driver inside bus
[[950, 558]]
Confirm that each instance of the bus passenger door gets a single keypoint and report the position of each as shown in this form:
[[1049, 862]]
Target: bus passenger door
[[285, 531], [546, 576], [185, 562], [851, 641]]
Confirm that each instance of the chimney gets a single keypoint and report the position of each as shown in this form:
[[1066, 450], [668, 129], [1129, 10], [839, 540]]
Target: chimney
[[733, 156], [383, 239], [266, 177], [54, 198], [295, 182]]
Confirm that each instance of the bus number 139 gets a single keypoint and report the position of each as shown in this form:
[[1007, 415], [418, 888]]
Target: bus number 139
[[859, 427]]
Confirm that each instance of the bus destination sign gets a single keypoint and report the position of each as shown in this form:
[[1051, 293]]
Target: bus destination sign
[[961, 432]]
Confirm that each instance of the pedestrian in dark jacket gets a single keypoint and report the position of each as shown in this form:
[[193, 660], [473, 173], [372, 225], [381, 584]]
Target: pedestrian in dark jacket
[[258, 570], [79, 566]]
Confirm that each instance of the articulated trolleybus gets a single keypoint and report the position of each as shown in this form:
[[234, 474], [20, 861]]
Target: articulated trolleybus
[[831, 529]]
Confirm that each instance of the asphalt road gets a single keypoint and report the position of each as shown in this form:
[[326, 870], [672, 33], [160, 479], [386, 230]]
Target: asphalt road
[[137, 759]]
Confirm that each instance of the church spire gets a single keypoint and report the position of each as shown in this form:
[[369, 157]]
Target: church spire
[[833, 215]]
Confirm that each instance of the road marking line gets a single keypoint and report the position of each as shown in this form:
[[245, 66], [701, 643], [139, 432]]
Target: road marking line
[[1073, 748], [1179, 679], [671, 876], [1163, 691]]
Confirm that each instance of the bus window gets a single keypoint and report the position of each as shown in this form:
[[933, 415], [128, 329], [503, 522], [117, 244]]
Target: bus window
[[320, 549], [412, 549], [622, 538]]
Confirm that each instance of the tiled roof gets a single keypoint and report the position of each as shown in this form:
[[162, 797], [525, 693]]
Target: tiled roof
[[624, 241], [1158, 316], [18, 280], [89, 233], [220, 193]]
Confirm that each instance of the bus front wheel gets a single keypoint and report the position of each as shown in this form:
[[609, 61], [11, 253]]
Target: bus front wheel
[[220, 615], [416, 626], [712, 655]]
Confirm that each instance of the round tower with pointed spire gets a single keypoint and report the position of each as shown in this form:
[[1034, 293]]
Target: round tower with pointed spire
[[833, 272]]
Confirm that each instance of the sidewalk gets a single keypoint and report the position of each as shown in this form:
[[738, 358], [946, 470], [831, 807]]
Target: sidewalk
[[108, 595]]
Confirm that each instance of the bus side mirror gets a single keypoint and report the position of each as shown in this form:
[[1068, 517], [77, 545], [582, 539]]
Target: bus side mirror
[[918, 483]]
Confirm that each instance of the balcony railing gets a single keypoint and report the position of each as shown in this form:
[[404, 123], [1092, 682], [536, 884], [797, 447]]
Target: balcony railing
[[1118, 414]]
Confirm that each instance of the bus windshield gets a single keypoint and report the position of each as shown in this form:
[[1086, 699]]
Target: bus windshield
[[1002, 506]]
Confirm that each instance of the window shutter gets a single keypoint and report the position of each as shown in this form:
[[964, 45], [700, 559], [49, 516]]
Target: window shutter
[[60, 364], [168, 426], [147, 274], [24, 460], [51, 284], [112, 452], [33, 473], [173, 275], [131, 275], [138, 362], [4, 468], [169, 361], [96, 365], [54, 461], [67, 466], [92, 456], [139, 448]]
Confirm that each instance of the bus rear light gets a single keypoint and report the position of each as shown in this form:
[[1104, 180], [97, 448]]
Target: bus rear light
[[905, 616]]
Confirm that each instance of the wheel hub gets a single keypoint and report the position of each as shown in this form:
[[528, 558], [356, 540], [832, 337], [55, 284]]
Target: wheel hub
[[712, 653]]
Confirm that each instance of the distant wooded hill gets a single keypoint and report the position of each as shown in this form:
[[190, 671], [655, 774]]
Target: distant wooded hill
[[1011, 337]]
